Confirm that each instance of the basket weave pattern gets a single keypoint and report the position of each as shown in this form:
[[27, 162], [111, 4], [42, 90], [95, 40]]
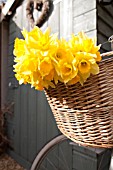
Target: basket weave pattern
[[85, 113]]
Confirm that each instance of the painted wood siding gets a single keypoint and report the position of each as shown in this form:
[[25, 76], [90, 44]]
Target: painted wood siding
[[4, 61], [104, 25], [84, 17]]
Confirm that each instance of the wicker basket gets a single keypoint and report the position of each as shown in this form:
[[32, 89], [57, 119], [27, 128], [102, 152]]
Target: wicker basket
[[85, 113]]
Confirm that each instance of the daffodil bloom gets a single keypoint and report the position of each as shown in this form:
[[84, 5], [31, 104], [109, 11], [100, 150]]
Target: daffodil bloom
[[50, 76], [42, 60], [84, 66], [38, 40], [62, 51], [74, 80], [45, 66], [66, 70], [98, 56], [83, 77], [19, 47], [36, 80], [75, 44]]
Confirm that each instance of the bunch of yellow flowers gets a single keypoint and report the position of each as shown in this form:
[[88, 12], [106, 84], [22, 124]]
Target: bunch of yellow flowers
[[43, 60]]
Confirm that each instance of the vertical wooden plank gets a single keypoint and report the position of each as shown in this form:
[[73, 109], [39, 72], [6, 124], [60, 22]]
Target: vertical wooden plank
[[32, 123], [0, 57], [25, 23], [11, 78], [66, 18], [4, 62], [23, 104], [51, 127], [17, 109], [41, 120], [17, 121], [24, 121], [54, 20], [10, 86]]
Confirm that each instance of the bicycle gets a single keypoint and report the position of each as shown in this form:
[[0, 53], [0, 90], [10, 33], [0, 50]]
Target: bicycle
[[43, 160]]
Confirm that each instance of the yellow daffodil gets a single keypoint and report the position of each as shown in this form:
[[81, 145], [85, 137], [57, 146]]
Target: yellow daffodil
[[43, 60], [83, 77], [34, 33], [75, 44], [19, 47], [94, 69], [50, 76], [45, 66], [82, 35], [84, 66], [98, 56], [44, 42], [62, 50], [66, 70], [36, 80], [74, 80]]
